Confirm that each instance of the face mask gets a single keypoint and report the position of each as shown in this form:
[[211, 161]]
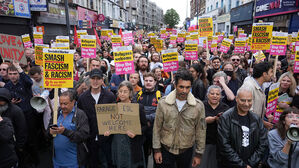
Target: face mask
[[3, 108], [229, 73]]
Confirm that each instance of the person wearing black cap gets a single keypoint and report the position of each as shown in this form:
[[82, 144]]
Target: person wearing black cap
[[15, 114], [99, 146]]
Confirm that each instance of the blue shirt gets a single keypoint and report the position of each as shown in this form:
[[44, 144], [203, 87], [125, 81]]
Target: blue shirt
[[116, 79], [65, 150]]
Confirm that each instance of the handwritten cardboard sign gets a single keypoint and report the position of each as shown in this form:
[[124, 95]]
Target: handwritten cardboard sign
[[118, 118], [11, 48]]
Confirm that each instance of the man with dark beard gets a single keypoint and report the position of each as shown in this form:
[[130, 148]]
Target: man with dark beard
[[15, 114], [142, 68]]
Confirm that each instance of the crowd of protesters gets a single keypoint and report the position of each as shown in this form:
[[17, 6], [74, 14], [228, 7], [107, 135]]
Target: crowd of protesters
[[211, 112]]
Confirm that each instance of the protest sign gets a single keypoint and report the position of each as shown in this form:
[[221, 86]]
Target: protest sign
[[173, 40], [191, 50], [26, 41], [39, 53], [231, 36], [128, 38], [163, 34], [150, 34], [202, 41], [181, 37], [174, 32], [259, 56], [194, 36], [220, 38], [210, 39], [296, 65], [116, 41], [241, 35], [272, 101], [88, 46], [62, 39], [240, 44], [225, 45], [214, 45], [205, 26], [118, 118], [278, 43], [240, 31], [170, 60], [158, 43], [11, 48], [123, 58], [261, 36], [64, 46], [58, 68], [248, 43], [104, 34], [38, 37], [80, 33]]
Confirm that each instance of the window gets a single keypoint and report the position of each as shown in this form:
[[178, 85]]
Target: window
[[237, 3], [216, 5], [211, 7], [229, 5], [208, 9], [221, 3]]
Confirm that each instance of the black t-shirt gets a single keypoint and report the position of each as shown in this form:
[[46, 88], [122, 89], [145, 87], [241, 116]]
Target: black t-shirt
[[245, 126], [211, 133]]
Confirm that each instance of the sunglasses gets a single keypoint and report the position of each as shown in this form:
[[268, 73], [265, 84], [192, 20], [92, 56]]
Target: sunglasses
[[235, 59], [3, 69]]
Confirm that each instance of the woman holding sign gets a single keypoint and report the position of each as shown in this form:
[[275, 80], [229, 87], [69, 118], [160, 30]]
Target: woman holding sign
[[127, 149]]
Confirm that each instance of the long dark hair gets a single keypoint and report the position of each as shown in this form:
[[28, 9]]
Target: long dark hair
[[202, 74], [280, 125]]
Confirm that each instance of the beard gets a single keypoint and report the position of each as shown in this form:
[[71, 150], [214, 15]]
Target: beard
[[3, 108]]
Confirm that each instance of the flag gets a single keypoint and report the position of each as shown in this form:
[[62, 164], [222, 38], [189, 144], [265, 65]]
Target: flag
[[98, 39], [120, 32], [76, 37]]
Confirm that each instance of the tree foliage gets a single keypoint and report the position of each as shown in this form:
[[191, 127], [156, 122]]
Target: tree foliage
[[171, 18]]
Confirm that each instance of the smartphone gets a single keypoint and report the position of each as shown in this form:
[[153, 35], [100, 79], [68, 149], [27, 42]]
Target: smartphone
[[54, 125], [219, 114]]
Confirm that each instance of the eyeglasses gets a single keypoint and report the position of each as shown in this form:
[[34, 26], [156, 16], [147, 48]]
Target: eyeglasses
[[3, 69], [235, 59]]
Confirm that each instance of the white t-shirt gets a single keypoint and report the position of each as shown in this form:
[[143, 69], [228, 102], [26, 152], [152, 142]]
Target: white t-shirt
[[180, 103], [96, 96]]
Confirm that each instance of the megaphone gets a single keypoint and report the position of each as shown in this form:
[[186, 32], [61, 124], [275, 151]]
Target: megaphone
[[293, 133], [40, 102]]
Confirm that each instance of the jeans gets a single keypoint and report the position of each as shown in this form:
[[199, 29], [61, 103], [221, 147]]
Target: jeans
[[170, 160], [99, 155]]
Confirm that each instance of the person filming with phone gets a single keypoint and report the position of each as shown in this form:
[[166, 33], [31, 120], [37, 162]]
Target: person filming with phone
[[70, 133]]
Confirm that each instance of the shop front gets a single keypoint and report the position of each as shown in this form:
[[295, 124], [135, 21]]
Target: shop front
[[283, 13], [241, 17]]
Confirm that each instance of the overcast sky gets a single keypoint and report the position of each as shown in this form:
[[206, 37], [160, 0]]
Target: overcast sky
[[179, 5]]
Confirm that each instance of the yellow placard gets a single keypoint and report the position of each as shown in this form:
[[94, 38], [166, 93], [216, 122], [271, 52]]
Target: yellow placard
[[88, 43], [273, 94], [231, 37], [240, 43], [80, 34], [261, 36], [158, 45], [169, 57], [214, 45], [225, 43], [172, 37], [39, 53], [217, 33], [190, 47], [58, 68], [279, 40], [194, 36], [259, 56], [150, 34], [181, 35], [205, 27], [116, 40], [26, 39], [163, 32], [37, 36], [123, 56]]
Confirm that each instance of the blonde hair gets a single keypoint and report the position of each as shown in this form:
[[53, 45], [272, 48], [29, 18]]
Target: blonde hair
[[293, 82]]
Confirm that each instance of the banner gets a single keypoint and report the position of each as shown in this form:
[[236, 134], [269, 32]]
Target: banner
[[240, 44], [80, 33], [279, 43], [296, 65], [116, 41], [205, 27], [58, 68], [225, 45], [118, 118], [62, 39], [191, 50], [21, 8], [123, 57], [128, 38], [11, 48], [38, 5], [173, 40], [259, 56], [39, 53], [26, 41], [63, 46], [272, 101], [88, 46], [170, 60], [38, 37], [261, 36]]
